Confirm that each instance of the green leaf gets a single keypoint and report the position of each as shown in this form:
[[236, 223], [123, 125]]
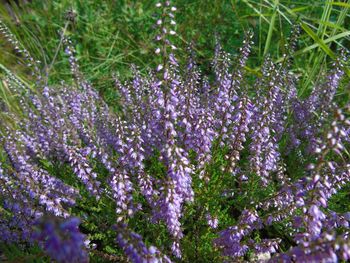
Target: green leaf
[[319, 41], [340, 4]]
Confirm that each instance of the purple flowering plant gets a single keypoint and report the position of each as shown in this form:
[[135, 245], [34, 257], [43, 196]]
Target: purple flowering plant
[[191, 168]]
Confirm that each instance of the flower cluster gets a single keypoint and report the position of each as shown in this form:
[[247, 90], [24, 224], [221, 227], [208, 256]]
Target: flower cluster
[[62, 241], [135, 248]]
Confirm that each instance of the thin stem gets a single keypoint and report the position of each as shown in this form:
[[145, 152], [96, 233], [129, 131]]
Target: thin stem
[[56, 52]]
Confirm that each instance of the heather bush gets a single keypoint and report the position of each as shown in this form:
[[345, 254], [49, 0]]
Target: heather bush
[[214, 167]]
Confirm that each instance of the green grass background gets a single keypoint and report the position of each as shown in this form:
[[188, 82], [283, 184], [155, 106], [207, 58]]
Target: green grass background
[[110, 35]]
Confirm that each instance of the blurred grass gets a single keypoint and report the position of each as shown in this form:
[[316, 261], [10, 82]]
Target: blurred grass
[[110, 35]]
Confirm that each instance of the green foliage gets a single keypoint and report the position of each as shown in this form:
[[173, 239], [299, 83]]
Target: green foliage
[[20, 254], [341, 201], [110, 35]]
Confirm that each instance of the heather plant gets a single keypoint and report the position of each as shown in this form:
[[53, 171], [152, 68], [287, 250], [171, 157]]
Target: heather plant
[[191, 167]]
